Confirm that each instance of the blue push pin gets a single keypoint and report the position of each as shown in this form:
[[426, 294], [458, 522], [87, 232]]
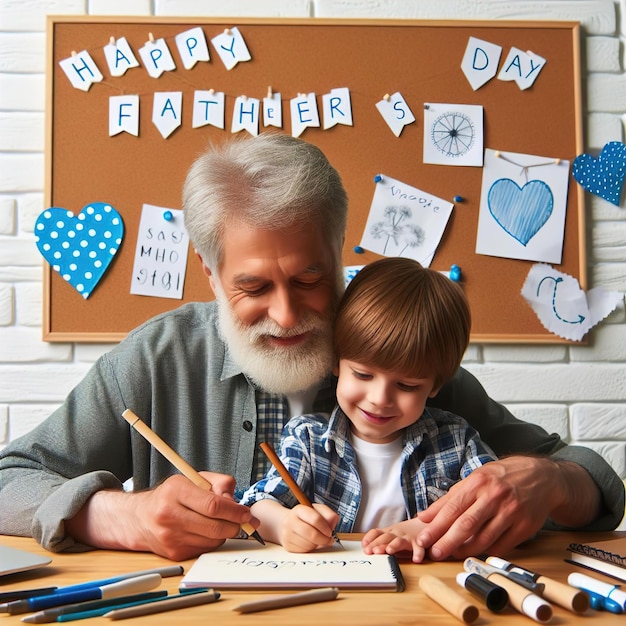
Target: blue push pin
[[458, 198], [168, 216], [455, 273], [377, 178], [358, 250]]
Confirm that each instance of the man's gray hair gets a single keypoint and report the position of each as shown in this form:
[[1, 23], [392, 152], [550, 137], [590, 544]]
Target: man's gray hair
[[271, 181]]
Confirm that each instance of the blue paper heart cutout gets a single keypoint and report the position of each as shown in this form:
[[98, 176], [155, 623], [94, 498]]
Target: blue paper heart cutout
[[80, 247], [605, 175], [520, 211]]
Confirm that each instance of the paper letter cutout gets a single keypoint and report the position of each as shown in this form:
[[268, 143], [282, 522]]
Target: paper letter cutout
[[119, 56], [192, 47], [80, 247], [453, 134], [157, 58], [337, 108], [395, 112], [167, 111], [82, 70], [480, 62], [405, 221], [562, 306], [523, 203], [303, 113], [246, 115], [522, 67], [231, 47], [161, 254], [208, 108], [273, 111], [124, 115]]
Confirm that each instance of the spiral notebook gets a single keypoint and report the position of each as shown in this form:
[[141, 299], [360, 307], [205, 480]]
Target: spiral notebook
[[246, 564], [608, 557]]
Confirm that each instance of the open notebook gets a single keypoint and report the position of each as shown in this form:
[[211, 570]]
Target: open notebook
[[245, 564]]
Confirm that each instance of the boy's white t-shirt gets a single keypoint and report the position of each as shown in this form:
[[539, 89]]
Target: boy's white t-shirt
[[380, 465]]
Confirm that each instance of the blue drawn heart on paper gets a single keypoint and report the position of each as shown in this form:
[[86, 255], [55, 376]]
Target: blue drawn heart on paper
[[605, 175], [80, 247], [520, 211]]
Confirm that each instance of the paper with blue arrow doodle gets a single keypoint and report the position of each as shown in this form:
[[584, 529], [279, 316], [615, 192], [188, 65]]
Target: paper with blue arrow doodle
[[605, 175], [523, 205], [80, 247], [562, 306]]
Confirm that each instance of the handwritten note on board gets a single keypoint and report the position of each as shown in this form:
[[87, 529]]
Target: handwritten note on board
[[405, 221], [161, 254]]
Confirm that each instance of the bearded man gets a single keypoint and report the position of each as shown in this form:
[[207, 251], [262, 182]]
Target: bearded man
[[267, 218]]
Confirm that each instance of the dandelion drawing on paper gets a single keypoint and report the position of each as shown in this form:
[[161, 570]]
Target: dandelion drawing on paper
[[395, 228]]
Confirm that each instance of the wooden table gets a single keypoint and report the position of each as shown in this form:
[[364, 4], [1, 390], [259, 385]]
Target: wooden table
[[545, 554]]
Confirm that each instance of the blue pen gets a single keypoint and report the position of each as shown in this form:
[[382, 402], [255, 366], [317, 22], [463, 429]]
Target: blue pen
[[51, 615], [164, 572], [20, 594], [121, 588]]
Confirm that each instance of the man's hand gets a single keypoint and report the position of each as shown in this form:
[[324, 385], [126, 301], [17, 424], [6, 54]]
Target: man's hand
[[504, 503], [177, 519]]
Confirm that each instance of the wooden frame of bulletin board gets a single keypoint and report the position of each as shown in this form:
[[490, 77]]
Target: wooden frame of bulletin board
[[419, 59]]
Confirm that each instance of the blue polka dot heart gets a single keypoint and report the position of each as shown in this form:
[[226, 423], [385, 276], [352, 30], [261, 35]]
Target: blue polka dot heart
[[80, 247], [605, 175]]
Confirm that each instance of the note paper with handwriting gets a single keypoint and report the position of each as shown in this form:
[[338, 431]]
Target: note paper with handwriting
[[245, 564]]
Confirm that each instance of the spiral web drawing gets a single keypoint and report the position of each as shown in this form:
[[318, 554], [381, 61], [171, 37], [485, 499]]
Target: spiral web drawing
[[453, 134]]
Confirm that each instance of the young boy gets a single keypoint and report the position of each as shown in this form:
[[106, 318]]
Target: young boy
[[400, 333]]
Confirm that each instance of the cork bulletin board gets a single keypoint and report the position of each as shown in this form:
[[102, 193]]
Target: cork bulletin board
[[422, 60]]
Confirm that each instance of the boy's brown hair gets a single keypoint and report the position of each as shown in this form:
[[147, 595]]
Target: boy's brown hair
[[396, 315]]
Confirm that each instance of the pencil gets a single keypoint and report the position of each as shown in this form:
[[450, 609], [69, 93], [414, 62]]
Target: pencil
[[278, 602], [288, 478], [177, 461], [166, 604]]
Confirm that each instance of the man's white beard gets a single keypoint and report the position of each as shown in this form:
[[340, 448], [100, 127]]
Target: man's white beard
[[278, 369]]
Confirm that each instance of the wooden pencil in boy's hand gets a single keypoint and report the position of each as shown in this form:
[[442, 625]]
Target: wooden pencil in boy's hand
[[288, 478], [178, 462]]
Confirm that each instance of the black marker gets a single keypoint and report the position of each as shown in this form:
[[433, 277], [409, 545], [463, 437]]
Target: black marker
[[494, 596]]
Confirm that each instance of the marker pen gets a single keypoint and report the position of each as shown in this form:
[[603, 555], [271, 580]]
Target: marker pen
[[521, 579], [564, 595], [448, 599], [600, 603], [494, 597], [507, 566], [522, 599], [606, 590]]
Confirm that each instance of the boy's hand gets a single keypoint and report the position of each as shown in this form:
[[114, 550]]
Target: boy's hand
[[304, 529], [395, 539]]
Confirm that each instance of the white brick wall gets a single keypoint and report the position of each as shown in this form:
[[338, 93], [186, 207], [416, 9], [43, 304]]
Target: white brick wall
[[578, 391]]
